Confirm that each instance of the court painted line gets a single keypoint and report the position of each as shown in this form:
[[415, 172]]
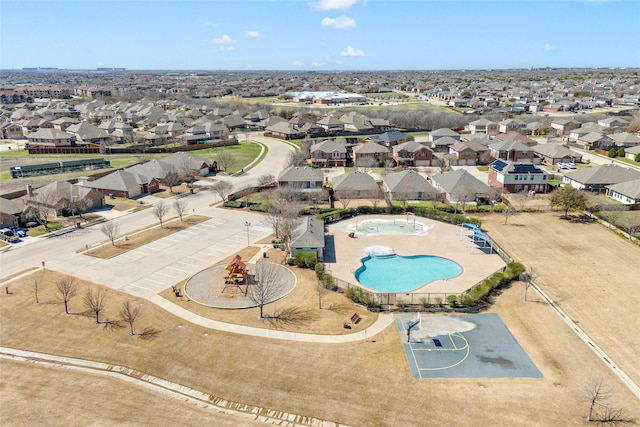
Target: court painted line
[[154, 281], [453, 343], [169, 239], [159, 243], [189, 232], [177, 269]]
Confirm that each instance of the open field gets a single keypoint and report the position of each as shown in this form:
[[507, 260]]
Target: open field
[[316, 380], [589, 271]]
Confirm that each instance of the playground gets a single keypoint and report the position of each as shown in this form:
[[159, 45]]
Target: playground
[[462, 346], [227, 285]]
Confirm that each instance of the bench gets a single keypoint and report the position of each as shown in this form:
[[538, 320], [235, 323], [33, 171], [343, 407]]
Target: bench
[[355, 318]]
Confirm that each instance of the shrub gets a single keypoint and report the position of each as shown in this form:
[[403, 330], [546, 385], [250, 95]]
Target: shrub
[[438, 301], [290, 261], [258, 207], [328, 282], [359, 295], [452, 300], [232, 204], [621, 152], [306, 259], [637, 158], [424, 303], [319, 268], [612, 153]]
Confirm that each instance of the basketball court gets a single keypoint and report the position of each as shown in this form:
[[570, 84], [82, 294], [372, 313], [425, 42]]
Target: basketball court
[[462, 346]]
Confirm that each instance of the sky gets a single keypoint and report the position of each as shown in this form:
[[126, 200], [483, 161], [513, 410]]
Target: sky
[[323, 35]]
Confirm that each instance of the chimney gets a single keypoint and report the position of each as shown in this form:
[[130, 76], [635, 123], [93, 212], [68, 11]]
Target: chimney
[[29, 190]]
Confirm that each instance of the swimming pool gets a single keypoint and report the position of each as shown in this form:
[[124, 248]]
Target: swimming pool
[[395, 273], [376, 227]]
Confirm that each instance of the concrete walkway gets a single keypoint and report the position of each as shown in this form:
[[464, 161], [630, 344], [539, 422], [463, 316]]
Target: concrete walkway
[[383, 321]]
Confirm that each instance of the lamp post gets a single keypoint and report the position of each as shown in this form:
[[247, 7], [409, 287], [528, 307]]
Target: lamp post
[[247, 224]]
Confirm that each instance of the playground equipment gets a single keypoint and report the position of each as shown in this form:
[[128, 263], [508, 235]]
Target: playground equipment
[[237, 273]]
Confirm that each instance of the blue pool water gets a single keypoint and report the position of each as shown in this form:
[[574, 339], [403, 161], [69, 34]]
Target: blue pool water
[[395, 273]]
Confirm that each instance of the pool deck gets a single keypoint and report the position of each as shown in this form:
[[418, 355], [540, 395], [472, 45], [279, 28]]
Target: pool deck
[[441, 239]]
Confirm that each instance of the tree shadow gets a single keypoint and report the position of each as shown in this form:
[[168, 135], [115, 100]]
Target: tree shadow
[[149, 334], [112, 325], [291, 316]]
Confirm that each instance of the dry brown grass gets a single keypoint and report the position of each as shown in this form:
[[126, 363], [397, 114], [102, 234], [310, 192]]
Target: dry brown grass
[[336, 309], [364, 383], [135, 240], [589, 271], [65, 397]]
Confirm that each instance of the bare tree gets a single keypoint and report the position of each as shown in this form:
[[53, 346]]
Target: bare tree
[[596, 393], [508, 212], [630, 224], [296, 158], [226, 160], [389, 164], [222, 189], [111, 230], [188, 170], [463, 194], [42, 205], [266, 180], [160, 210], [67, 289], [610, 215], [95, 301], [171, 179], [130, 313], [365, 164], [180, 207], [378, 196], [345, 197], [267, 286]]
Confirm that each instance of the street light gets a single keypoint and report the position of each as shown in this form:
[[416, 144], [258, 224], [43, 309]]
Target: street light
[[247, 224]]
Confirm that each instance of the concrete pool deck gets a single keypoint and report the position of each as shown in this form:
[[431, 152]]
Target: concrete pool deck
[[441, 239]]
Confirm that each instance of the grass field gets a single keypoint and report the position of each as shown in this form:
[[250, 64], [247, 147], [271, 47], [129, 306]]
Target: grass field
[[364, 383]]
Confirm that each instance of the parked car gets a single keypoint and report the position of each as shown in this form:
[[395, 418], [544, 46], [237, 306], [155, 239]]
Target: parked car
[[8, 235]]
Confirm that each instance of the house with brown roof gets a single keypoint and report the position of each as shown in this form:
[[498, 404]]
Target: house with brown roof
[[552, 153], [408, 185], [284, 130], [302, 179], [370, 154], [484, 126], [356, 185], [50, 138], [328, 153], [468, 153], [412, 153], [511, 150]]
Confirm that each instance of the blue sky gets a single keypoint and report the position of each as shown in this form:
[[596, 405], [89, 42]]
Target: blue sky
[[319, 34]]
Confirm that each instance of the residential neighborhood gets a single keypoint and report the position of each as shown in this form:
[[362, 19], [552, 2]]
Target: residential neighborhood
[[239, 213]]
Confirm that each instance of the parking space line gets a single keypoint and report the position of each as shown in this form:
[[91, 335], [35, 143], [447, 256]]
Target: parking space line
[[154, 281], [177, 269], [186, 263], [166, 275]]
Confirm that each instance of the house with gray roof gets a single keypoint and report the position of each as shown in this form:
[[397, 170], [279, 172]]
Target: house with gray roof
[[551, 153], [152, 169], [442, 133], [515, 177], [302, 179], [597, 178], [625, 139], [86, 133], [627, 192], [356, 185], [484, 126], [460, 186], [50, 138], [123, 184], [595, 140], [442, 145], [11, 213], [408, 185], [308, 236], [284, 130], [63, 196], [331, 124], [389, 139], [187, 164]]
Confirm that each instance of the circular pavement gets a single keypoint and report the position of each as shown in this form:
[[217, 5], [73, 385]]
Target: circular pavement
[[207, 287]]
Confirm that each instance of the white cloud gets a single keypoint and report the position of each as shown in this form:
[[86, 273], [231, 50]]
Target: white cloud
[[548, 47], [342, 22], [352, 52], [100, 64], [222, 40], [226, 48], [253, 34], [317, 63], [210, 24], [333, 4], [248, 67], [298, 64]]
